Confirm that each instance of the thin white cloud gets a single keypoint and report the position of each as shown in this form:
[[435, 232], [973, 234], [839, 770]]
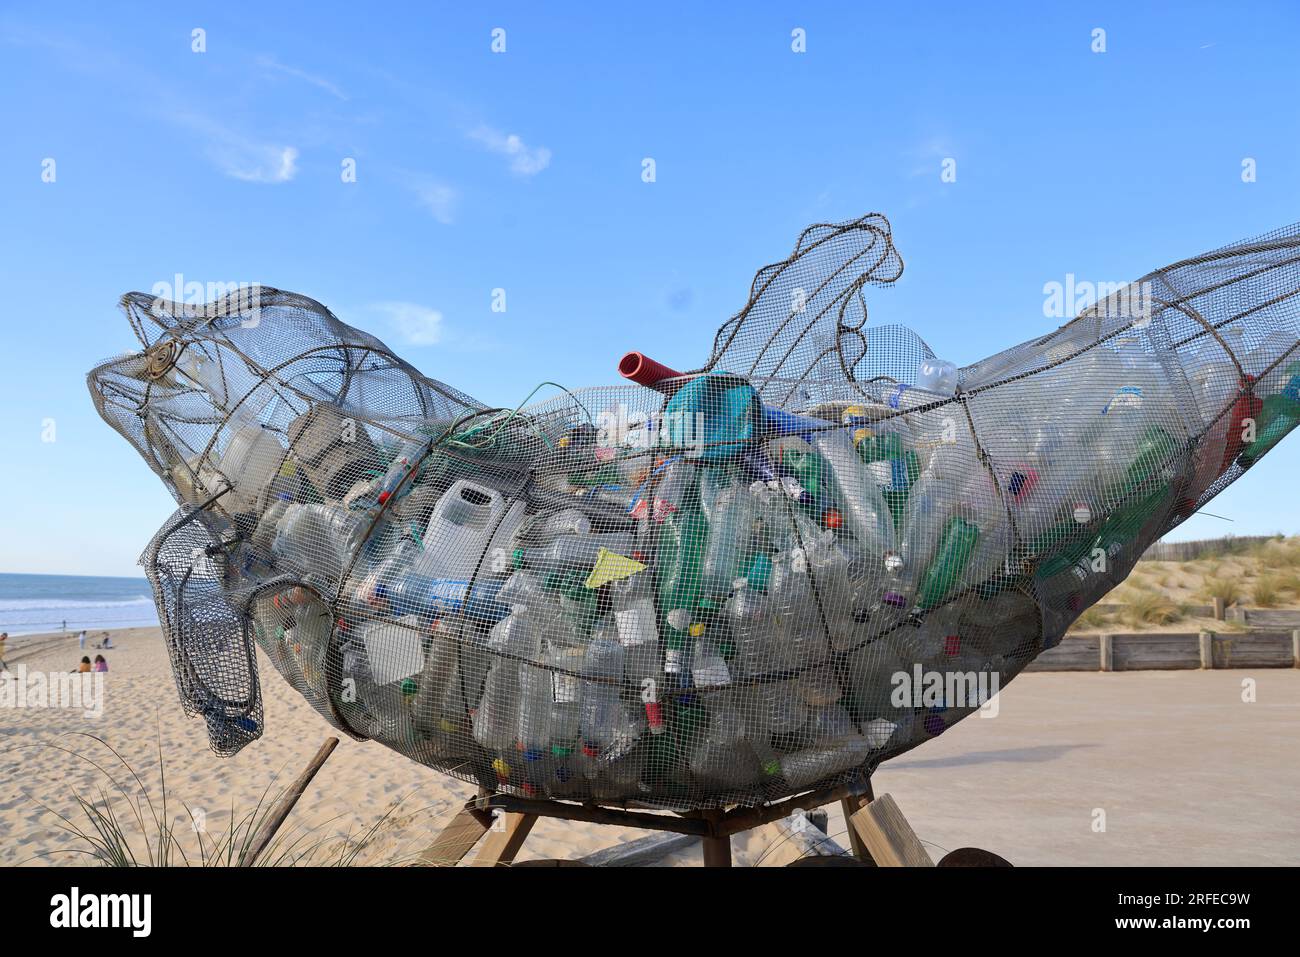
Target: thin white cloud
[[239, 157], [256, 162], [524, 160], [438, 198], [417, 325], [273, 65]]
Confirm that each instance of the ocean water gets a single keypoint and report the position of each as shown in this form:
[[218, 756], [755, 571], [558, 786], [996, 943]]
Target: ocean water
[[42, 603]]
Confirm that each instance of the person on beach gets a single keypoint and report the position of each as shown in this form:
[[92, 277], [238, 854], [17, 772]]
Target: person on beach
[[108, 641], [4, 637], [81, 638], [84, 667], [100, 663]]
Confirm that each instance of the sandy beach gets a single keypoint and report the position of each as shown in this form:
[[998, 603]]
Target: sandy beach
[[1185, 771]]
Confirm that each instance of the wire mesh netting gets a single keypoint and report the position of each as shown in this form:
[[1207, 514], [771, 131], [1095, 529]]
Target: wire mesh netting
[[819, 550]]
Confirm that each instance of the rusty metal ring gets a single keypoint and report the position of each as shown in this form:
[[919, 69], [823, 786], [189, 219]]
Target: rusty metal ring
[[161, 357]]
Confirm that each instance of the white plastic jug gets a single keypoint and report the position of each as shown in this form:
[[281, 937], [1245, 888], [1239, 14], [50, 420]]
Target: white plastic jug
[[249, 464], [461, 529]]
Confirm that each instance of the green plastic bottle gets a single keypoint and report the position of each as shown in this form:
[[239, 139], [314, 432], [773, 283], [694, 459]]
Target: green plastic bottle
[[1280, 414], [956, 547], [679, 552]]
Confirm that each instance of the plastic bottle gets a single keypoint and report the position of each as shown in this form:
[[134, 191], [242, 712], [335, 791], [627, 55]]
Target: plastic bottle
[[319, 541], [929, 512], [720, 759], [571, 552], [936, 375], [894, 467], [249, 464], [679, 548], [636, 620], [544, 529], [771, 707], [536, 700], [732, 516], [801, 627], [496, 718], [442, 670], [1279, 413], [438, 598], [602, 669]]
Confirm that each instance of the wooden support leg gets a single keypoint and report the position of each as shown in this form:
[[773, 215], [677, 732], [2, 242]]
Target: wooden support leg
[[889, 838], [458, 838], [717, 850], [851, 805], [502, 845]]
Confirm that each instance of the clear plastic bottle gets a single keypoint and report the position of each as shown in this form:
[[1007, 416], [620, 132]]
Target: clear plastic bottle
[[636, 620], [863, 510], [572, 551], [732, 514], [602, 669], [771, 707], [801, 628], [497, 715], [834, 746]]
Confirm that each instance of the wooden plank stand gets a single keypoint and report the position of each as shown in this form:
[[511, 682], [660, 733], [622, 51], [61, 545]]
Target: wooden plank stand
[[878, 831]]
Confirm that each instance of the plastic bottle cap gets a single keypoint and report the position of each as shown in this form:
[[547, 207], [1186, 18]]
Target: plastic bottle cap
[[833, 519], [861, 435], [697, 629], [590, 750], [501, 768], [383, 497], [517, 558]]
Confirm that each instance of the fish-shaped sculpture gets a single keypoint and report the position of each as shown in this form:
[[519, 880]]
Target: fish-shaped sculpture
[[820, 549]]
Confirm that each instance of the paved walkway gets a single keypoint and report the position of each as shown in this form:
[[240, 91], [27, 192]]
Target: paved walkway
[[1184, 770]]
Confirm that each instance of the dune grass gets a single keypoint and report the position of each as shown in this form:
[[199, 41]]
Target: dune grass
[[1227, 588], [1144, 607], [125, 823]]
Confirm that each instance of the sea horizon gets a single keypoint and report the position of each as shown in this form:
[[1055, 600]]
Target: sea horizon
[[40, 603]]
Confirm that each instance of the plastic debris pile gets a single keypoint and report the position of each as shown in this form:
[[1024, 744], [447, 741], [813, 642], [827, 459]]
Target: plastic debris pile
[[819, 550]]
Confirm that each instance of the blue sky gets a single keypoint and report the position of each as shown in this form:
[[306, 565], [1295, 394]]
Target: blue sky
[[522, 170]]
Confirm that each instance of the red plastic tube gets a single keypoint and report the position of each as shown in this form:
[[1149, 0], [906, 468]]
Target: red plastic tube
[[643, 370]]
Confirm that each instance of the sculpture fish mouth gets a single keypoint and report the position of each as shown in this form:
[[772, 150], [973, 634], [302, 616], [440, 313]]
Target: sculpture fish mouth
[[691, 589]]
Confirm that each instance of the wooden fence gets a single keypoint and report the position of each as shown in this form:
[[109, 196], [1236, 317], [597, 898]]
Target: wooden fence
[[1159, 651], [1203, 548]]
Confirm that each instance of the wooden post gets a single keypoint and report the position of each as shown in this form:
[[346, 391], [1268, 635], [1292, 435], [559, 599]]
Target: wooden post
[[1206, 639], [889, 838], [717, 850], [1105, 651], [850, 805], [272, 824], [1218, 608], [1295, 647], [458, 838], [502, 845]]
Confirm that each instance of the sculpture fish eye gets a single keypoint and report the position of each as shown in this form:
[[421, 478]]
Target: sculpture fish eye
[[816, 551]]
